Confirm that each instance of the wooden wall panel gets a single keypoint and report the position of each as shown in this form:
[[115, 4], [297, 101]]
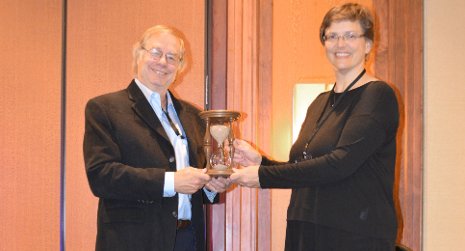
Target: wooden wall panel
[[30, 124], [249, 91], [100, 39], [400, 62], [218, 32], [242, 93]]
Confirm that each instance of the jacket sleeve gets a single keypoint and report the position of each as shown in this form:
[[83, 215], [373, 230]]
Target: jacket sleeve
[[108, 176]]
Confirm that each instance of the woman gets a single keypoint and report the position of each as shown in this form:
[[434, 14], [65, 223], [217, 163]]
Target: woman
[[341, 168]]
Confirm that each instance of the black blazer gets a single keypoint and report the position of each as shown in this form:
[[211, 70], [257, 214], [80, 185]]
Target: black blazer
[[127, 153]]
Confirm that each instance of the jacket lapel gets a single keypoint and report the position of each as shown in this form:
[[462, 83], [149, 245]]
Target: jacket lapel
[[143, 109]]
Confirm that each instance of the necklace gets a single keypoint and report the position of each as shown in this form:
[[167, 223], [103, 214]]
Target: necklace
[[326, 115]]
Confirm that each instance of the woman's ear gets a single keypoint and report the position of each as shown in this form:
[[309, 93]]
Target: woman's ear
[[368, 46]]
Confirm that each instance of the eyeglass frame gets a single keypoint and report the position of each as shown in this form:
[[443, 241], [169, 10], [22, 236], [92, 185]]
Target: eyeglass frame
[[170, 58], [346, 37]]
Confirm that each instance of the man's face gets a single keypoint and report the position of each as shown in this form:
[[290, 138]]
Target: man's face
[[159, 62]]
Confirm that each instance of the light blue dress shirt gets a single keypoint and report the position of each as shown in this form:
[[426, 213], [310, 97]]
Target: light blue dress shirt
[[180, 145]]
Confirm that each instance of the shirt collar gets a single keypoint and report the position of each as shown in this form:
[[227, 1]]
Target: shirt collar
[[149, 94]]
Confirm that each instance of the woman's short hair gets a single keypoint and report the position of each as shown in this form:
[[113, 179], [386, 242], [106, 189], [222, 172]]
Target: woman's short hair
[[349, 12], [139, 46]]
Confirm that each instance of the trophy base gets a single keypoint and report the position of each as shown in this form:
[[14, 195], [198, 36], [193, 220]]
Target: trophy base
[[219, 173]]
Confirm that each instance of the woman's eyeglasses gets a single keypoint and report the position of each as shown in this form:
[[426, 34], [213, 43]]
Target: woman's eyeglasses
[[347, 37]]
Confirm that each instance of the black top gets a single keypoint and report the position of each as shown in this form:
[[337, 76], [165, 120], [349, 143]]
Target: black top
[[348, 184]]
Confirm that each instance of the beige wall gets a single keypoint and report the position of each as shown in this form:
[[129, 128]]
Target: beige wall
[[100, 38], [30, 124], [444, 170]]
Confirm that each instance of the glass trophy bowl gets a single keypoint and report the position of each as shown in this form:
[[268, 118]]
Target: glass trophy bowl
[[219, 126]]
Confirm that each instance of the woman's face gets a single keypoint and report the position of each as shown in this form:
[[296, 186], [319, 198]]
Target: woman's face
[[346, 46], [156, 68]]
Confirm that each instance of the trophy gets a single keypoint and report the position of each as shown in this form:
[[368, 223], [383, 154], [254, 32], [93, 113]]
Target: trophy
[[219, 125]]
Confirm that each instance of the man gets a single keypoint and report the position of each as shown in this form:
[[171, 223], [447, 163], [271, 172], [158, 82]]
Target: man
[[143, 151]]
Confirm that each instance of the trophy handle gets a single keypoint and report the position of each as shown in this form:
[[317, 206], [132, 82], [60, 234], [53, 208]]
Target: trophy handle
[[230, 141], [207, 145]]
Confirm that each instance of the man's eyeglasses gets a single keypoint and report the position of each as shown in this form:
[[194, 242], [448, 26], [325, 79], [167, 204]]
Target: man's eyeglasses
[[157, 54], [347, 37]]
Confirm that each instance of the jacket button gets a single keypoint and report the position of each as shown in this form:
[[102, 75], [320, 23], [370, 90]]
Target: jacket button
[[171, 160], [175, 214]]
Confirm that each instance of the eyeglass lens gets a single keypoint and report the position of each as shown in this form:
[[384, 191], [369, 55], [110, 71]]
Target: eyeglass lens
[[169, 57]]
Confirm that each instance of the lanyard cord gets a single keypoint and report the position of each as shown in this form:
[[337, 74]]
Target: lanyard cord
[[326, 115], [173, 126]]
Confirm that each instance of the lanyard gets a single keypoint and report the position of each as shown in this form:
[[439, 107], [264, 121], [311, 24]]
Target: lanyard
[[173, 126], [326, 115]]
